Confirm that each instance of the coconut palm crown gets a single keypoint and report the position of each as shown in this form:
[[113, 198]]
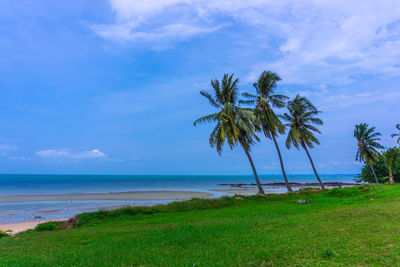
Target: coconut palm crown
[[367, 141], [263, 102], [368, 145], [234, 124], [300, 120], [397, 134]]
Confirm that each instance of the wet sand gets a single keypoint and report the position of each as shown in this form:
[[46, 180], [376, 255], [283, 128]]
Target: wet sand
[[122, 196], [238, 191]]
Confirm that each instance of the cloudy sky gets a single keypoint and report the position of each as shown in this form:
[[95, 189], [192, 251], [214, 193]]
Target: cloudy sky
[[112, 86]]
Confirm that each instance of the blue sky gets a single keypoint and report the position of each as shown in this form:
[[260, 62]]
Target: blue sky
[[97, 86]]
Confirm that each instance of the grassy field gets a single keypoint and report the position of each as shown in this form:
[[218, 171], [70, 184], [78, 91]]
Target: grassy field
[[340, 227]]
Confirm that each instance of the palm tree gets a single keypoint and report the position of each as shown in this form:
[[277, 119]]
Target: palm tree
[[233, 124], [300, 120], [390, 156], [397, 134], [263, 102], [367, 140]]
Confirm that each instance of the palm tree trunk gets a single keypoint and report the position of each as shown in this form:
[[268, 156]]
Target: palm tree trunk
[[391, 180], [289, 188], [260, 189], [312, 164], [373, 172]]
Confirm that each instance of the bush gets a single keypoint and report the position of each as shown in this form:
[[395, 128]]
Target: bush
[[47, 226], [4, 233], [381, 171]]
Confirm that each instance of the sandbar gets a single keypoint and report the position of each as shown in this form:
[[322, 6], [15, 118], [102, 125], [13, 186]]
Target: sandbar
[[121, 196]]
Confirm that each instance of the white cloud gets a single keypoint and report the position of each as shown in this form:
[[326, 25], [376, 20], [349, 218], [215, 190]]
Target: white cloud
[[66, 153], [21, 158], [162, 36], [4, 147], [318, 41]]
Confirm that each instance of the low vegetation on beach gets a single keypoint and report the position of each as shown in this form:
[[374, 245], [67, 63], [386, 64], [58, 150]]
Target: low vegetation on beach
[[343, 226]]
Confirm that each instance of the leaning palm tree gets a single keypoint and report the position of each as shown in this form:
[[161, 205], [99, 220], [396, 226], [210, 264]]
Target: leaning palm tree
[[390, 156], [264, 102], [367, 141], [300, 120], [233, 124], [397, 134]]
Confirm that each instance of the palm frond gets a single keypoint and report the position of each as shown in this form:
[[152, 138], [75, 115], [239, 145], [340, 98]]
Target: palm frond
[[210, 99], [207, 118], [247, 102]]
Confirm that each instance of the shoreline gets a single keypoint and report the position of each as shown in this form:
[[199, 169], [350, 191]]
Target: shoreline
[[119, 196], [331, 184], [17, 227], [139, 196]]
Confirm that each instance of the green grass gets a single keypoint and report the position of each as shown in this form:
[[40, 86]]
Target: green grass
[[340, 227]]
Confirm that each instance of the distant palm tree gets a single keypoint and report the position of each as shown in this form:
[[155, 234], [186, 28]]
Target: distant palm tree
[[264, 101], [390, 156], [300, 120], [233, 124], [397, 134], [367, 140]]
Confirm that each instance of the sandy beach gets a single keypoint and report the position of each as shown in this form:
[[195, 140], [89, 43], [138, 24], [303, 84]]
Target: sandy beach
[[17, 227], [21, 226], [122, 196]]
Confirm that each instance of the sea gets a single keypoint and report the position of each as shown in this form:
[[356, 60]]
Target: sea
[[26, 184]]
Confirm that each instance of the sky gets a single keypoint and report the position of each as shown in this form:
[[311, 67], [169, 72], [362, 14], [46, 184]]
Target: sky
[[112, 86]]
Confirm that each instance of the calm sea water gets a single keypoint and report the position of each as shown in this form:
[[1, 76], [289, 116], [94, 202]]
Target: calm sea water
[[35, 184], [56, 184]]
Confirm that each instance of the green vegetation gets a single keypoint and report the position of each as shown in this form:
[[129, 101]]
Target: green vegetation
[[397, 134], [264, 101], [378, 167], [4, 233], [47, 226], [240, 125], [368, 145], [233, 124], [390, 157], [300, 121], [179, 206], [381, 169], [341, 227]]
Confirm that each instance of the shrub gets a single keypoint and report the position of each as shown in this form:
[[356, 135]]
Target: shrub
[[47, 226], [380, 170], [4, 233]]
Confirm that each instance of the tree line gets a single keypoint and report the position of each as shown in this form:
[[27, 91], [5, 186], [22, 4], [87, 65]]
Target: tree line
[[377, 159], [240, 118]]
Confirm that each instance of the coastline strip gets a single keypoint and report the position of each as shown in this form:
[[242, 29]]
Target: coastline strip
[[17, 227], [121, 196]]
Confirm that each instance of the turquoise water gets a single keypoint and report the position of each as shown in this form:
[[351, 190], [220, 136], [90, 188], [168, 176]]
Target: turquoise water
[[58, 184], [34, 184]]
